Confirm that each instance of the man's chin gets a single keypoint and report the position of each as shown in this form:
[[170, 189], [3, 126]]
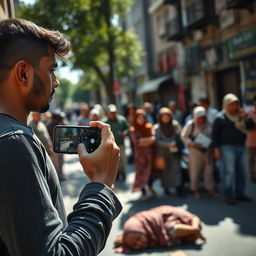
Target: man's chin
[[45, 108]]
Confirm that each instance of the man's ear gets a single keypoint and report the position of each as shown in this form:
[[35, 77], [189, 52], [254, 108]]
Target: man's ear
[[22, 71]]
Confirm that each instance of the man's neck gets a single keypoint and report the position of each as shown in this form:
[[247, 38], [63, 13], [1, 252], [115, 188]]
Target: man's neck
[[13, 112]]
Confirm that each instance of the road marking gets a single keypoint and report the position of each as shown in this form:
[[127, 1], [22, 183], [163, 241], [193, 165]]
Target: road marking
[[178, 253]]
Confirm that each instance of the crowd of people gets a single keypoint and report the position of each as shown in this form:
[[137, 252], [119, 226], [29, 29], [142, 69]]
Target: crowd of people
[[195, 151], [213, 144]]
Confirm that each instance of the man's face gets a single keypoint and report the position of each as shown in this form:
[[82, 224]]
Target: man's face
[[203, 104], [44, 82], [112, 115], [233, 108], [172, 106]]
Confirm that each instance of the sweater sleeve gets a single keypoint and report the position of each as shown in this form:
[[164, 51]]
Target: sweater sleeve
[[186, 132], [30, 223], [216, 130]]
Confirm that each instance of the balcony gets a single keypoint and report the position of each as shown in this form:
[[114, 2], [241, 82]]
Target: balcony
[[201, 13], [174, 29], [238, 4]]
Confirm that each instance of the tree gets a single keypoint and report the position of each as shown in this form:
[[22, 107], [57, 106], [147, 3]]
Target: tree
[[99, 43], [64, 92]]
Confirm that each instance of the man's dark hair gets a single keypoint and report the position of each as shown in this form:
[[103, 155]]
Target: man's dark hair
[[23, 40], [204, 100]]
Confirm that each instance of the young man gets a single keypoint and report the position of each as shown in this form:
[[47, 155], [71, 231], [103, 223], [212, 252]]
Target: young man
[[32, 215], [210, 112], [120, 128], [228, 137]]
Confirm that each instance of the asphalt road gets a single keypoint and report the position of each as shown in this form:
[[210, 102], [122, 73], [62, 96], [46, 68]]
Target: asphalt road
[[230, 230]]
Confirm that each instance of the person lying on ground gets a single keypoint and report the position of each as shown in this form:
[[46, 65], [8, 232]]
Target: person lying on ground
[[159, 227]]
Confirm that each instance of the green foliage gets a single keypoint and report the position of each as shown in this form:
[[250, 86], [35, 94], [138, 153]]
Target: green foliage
[[81, 94], [93, 26], [63, 92]]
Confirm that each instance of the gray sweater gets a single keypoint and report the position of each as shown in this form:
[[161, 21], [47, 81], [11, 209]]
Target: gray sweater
[[32, 215]]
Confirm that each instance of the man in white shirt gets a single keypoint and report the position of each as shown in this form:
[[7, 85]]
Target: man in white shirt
[[211, 113]]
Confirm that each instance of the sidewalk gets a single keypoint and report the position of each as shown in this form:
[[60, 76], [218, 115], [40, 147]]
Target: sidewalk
[[230, 230]]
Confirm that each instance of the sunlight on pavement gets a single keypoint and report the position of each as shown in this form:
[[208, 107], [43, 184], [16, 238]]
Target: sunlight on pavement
[[178, 253]]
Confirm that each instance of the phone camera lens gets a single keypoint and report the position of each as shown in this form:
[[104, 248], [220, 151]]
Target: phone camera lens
[[92, 141]]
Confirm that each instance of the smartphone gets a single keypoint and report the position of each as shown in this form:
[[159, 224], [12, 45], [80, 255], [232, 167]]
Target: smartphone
[[66, 138]]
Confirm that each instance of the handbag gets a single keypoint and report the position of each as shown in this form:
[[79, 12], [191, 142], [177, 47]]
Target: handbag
[[159, 162]]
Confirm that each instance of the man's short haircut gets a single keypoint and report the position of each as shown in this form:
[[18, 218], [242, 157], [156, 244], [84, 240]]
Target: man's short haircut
[[23, 40], [204, 100]]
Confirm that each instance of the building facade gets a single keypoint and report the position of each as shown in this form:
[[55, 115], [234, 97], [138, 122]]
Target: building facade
[[141, 22], [219, 37], [202, 49], [6, 9]]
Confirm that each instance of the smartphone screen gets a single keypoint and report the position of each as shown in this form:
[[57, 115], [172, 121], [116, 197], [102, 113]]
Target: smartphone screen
[[67, 138]]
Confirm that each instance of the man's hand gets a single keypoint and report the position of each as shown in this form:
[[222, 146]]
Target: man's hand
[[217, 154], [194, 145], [101, 165]]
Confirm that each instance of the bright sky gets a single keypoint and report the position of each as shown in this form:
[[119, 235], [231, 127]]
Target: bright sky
[[63, 72], [28, 1]]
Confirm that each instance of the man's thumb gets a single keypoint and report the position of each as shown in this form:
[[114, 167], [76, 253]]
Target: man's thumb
[[81, 150]]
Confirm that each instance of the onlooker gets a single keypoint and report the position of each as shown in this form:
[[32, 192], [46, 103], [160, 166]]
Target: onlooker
[[57, 158], [130, 113], [95, 114], [84, 117], [169, 145], [196, 135], [147, 106], [101, 111], [130, 116], [211, 113], [162, 226], [143, 139], [229, 135], [176, 113], [189, 115], [251, 142], [41, 131], [120, 128], [32, 214]]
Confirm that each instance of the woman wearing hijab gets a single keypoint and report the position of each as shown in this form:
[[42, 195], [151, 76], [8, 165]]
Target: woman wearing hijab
[[196, 135], [229, 135], [169, 146], [143, 140], [162, 226]]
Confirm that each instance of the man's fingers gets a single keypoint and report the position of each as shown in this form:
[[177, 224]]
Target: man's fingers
[[105, 130], [81, 150]]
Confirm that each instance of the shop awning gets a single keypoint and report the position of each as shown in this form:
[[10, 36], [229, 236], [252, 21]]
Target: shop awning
[[152, 85]]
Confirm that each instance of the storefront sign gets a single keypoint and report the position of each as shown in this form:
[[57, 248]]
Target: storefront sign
[[242, 45], [250, 80], [226, 18]]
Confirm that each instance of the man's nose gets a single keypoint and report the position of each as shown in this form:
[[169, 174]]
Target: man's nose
[[55, 83]]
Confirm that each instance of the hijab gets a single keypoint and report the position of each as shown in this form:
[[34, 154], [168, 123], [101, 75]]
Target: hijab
[[199, 112], [144, 130], [236, 119], [167, 129]]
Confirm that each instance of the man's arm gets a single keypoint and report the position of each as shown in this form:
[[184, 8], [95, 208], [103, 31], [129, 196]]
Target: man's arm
[[216, 131], [30, 223]]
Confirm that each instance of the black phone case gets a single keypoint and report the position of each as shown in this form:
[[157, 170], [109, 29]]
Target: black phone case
[[67, 138]]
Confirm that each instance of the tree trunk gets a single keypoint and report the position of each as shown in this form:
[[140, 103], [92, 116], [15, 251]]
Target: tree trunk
[[111, 55]]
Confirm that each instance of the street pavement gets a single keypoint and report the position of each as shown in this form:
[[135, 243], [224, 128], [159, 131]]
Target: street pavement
[[230, 230]]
